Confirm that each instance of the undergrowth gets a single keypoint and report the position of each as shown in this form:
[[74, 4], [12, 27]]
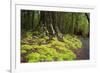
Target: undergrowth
[[43, 49]]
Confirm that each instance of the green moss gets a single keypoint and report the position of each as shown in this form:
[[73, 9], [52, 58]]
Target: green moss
[[56, 42], [33, 57], [26, 47], [55, 50], [23, 51], [49, 58], [68, 55], [73, 42], [29, 34], [51, 54], [42, 57]]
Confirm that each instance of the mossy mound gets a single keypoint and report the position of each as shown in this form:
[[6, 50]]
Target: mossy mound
[[41, 49]]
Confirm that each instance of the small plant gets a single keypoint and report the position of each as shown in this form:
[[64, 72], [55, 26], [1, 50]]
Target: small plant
[[33, 57], [23, 51], [73, 42], [26, 47]]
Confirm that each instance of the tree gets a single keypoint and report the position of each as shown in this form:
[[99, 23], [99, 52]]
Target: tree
[[53, 23]]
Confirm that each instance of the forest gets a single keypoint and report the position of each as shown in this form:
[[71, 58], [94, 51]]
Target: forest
[[48, 36]]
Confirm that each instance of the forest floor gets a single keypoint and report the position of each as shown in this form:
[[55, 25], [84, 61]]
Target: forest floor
[[83, 53], [41, 49]]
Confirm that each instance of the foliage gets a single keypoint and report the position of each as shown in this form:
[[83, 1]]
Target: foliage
[[26, 47], [83, 25], [54, 50], [55, 22], [33, 57], [73, 42], [52, 35], [23, 51]]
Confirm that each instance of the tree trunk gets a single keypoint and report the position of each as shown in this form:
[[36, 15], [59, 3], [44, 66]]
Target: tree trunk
[[88, 17]]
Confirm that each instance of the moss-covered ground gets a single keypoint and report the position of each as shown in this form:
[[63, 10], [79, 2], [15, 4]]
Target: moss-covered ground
[[43, 49]]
